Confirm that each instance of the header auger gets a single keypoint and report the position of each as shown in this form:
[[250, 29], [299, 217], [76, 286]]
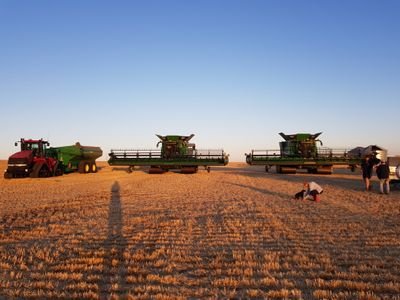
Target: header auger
[[176, 153], [300, 151]]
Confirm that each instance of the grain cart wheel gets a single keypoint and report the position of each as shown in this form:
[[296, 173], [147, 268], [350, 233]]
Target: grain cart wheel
[[86, 167], [83, 167], [93, 167]]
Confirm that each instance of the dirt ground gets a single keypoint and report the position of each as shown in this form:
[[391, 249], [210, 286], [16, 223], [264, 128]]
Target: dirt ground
[[231, 233]]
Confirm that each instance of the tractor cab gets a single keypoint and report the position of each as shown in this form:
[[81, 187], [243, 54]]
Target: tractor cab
[[32, 160], [38, 147]]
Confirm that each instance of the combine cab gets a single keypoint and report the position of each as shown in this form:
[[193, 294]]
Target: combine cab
[[176, 153], [33, 160], [300, 151]]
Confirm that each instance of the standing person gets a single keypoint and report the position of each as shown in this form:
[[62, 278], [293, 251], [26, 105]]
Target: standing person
[[310, 189], [366, 168], [383, 172]]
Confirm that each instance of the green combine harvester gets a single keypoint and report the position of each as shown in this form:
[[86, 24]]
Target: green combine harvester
[[300, 151], [176, 153], [77, 157]]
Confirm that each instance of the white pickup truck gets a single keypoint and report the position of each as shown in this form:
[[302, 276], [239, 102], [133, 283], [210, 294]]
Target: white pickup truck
[[394, 167]]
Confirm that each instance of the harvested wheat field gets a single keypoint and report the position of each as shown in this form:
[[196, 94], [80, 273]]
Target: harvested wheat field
[[231, 233]]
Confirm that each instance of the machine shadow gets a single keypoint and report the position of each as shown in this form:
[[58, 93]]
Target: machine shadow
[[114, 266], [263, 191], [353, 183]]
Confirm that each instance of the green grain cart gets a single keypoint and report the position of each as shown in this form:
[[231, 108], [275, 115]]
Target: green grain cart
[[77, 157]]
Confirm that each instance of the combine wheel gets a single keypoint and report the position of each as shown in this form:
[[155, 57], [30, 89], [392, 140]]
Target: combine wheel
[[288, 170], [93, 167], [156, 170], [327, 170], [312, 170], [189, 170]]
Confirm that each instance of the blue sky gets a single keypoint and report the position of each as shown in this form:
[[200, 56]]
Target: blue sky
[[234, 73]]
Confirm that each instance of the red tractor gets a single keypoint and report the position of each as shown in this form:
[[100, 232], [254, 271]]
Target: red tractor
[[32, 161]]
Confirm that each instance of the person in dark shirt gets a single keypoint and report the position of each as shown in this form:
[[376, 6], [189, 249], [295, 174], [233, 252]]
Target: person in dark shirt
[[366, 168], [383, 172]]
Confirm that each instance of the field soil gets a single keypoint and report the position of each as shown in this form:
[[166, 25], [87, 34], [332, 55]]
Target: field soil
[[231, 233]]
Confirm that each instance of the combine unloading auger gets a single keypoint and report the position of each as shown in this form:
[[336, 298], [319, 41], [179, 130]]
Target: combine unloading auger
[[176, 153]]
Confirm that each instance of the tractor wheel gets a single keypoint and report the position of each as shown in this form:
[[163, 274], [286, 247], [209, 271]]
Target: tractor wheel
[[8, 175], [58, 170], [44, 172], [93, 167], [40, 170], [35, 171]]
